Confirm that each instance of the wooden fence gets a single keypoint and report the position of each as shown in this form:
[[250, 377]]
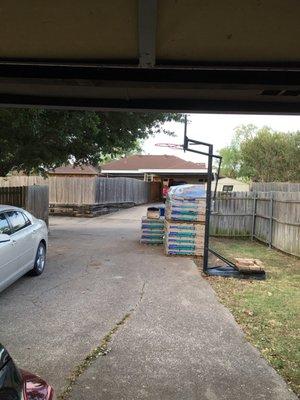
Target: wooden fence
[[37, 201], [274, 187], [22, 180], [87, 190], [34, 199], [86, 196], [69, 190], [271, 217], [121, 190]]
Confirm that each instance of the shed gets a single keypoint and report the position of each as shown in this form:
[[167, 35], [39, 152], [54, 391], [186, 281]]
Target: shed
[[78, 171], [226, 184]]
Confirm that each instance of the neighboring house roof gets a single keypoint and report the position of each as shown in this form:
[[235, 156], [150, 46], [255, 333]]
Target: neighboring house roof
[[152, 163], [75, 170]]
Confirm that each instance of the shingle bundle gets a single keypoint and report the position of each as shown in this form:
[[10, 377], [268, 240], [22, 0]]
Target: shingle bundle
[[185, 216], [183, 210], [152, 230], [183, 238], [186, 203]]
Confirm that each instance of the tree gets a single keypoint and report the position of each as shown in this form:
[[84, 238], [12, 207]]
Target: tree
[[230, 161], [272, 156], [262, 155], [231, 155], [35, 140]]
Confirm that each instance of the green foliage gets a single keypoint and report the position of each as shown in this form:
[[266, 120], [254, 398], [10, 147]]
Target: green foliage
[[230, 161], [272, 156], [262, 155], [34, 140], [231, 155]]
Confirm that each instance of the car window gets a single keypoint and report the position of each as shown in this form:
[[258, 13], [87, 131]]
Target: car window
[[17, 220], [27, 220], [4, 226]]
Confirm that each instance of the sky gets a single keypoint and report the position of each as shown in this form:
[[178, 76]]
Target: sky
[[217, 129]]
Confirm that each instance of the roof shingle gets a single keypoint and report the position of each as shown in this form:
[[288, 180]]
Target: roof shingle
[[137, 162]]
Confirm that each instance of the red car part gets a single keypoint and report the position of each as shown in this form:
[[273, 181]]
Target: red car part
[[35, 387]]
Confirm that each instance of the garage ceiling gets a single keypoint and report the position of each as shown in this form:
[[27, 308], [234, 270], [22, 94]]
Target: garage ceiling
[[188, 55]]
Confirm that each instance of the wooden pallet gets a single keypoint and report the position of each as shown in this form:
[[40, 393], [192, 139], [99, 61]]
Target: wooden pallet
[[249, 264]]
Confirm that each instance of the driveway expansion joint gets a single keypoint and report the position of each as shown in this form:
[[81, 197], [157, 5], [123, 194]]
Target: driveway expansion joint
[[100, 351]]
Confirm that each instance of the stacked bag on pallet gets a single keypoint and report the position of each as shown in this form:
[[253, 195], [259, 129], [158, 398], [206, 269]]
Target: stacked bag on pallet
[[186, 203], [185, 216], [184, 238], [152, 230]]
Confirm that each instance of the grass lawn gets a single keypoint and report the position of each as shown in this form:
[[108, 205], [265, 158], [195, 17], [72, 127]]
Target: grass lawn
[[268, 311]]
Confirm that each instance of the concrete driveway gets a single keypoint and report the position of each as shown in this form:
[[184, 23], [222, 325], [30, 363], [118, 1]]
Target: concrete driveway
[[113, 319]]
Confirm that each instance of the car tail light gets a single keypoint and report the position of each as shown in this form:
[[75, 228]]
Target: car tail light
[[37, 389]]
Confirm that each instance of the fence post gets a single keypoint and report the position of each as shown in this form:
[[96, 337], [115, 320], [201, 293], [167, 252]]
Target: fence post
[[25, 190], [270, 220], [254, 215]]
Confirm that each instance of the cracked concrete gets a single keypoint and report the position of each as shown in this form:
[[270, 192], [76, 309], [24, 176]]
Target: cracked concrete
[[179, 343], [100, 351]]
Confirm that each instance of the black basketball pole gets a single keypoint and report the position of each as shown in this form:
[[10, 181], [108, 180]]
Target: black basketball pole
[[208, 208], [186, 146], [229, 270]]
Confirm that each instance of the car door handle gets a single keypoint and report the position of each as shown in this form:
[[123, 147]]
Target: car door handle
[[13, 242]]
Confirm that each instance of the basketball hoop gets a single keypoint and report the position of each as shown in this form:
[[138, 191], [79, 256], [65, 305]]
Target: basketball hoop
[[170, 145]]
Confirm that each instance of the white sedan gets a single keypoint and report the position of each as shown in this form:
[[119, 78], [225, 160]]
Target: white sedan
[[23, 244]]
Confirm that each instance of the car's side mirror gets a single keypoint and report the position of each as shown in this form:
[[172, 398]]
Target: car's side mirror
[[4, 238]]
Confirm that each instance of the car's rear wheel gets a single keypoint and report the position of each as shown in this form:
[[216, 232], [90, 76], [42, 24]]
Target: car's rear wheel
[[40, 260]]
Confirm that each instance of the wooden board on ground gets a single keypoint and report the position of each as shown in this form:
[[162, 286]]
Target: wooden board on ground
[[249, 264]]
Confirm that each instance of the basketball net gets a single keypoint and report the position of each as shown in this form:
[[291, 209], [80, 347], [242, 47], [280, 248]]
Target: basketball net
[[170, 145]]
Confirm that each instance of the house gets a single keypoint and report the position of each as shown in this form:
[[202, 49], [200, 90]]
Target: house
[[230, 185], [78, 171], [157, 168]]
